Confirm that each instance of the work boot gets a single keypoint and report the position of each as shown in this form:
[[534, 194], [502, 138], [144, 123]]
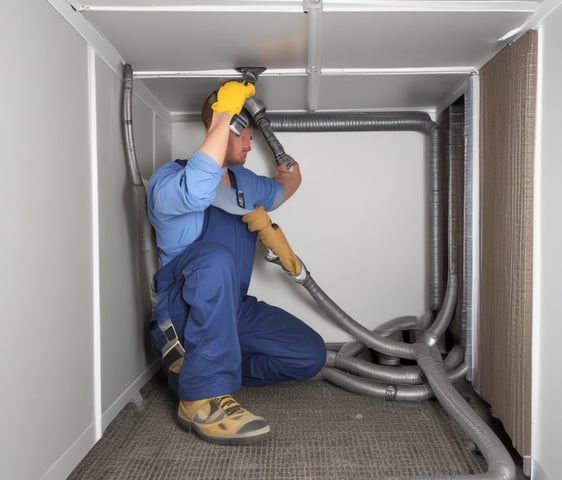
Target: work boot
[[222, 420]]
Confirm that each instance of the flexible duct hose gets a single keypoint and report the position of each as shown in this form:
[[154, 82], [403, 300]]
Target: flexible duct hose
[[343, 358], [387, 329], [387, 121], [148, 252], [500, 463], [402, 375], [501, 466], [358, 331], [441, 323], [381, 391], [127, 119]]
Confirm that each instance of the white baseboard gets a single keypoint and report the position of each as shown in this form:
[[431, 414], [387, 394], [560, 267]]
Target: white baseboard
[[73, 455], [537, 472], [132, 393], [68, 461]]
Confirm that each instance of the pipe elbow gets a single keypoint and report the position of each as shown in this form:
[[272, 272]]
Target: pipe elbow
[[502, 470]]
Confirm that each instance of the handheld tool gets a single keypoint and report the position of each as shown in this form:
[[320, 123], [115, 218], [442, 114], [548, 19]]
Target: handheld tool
[[256, 108]]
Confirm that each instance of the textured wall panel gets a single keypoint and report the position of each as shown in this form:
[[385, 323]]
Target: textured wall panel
[[508, 85]]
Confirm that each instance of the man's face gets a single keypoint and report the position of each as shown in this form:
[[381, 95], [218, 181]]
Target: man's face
[[238, 147]]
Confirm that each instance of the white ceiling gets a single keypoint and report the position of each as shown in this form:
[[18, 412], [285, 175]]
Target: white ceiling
[[319, 54]]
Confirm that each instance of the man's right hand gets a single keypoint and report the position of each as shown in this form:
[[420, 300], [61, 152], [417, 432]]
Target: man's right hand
[[232, 95], [290, 179], [272, 237]]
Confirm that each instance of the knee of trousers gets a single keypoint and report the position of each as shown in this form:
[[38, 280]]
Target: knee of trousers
[[314, 358]]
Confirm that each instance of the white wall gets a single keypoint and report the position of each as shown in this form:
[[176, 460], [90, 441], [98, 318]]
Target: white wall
[[547, 329], [358, 222], [54, 404], [47, 398]]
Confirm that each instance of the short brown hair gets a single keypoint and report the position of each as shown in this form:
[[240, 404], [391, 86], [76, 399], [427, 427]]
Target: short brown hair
[[207, 111]]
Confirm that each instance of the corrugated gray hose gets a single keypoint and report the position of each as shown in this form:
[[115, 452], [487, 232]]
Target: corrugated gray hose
[[148, 252], [403, 382]]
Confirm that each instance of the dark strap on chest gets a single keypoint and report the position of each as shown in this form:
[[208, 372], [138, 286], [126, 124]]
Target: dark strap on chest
[[239, 193]]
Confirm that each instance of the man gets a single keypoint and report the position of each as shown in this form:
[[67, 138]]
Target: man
[[227, 337]]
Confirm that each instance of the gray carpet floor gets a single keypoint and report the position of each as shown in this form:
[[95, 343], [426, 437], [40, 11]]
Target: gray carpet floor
[[319, 432]]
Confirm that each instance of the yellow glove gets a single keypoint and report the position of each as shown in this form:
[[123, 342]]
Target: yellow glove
[[232, 95], [272, 237]]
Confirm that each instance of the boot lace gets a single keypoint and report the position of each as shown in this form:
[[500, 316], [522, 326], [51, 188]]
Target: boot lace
[[228, 404]]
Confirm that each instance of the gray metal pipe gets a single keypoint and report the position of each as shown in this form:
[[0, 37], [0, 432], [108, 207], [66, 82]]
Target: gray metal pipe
[[385, 391], [398, 324], [387, 121], [402, 375], [390, 121], [148, 251], [454, 358], [500, 463], [342, 319], [381, 391], [441, 323], [396, 375], [127, 119], [501, 466]]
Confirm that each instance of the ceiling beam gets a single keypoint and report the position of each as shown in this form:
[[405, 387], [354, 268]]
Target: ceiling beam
[[429, 6], [301, 72], [300, 5], [314, 63], [192, 6]]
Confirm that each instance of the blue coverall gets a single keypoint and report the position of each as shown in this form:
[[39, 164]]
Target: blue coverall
[[230, 338]]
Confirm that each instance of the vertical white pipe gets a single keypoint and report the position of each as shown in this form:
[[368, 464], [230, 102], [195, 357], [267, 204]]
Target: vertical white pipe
[[537, 259], [314, 11], [475, 83], [96, 315]]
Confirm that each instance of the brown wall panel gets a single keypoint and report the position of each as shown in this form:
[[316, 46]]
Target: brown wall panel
[[508, 91]]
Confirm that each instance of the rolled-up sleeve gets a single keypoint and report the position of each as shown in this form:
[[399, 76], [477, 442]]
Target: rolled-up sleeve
[[176, 191]]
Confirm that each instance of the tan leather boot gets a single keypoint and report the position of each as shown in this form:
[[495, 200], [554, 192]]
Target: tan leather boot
[[222, 420]]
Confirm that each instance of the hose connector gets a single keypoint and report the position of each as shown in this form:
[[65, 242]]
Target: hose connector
[[298, 277], [256, 108], [391, 393], [251, 74]]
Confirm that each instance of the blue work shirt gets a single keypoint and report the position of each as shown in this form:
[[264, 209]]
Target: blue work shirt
[[177, 197]]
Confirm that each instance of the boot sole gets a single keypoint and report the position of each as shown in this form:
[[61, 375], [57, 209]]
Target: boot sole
[[247, 439]]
